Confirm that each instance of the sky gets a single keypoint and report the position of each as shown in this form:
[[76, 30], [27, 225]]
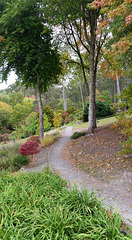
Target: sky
[[11, 79]]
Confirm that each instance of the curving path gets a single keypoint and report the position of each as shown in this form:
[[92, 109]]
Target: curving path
[[113, 194]]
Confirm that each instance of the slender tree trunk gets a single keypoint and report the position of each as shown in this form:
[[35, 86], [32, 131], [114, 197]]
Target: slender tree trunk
[[64, 97], [40, 109], [118, 87], [92, 112], [80, 86]]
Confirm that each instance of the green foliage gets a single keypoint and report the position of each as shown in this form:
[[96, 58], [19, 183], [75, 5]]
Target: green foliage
[[15, 98], [5, 122], [31, 124], [125, 119], [57, 120], [10, 159], [78, 134], [105, 96], [46, 209], [47, 124], [102, 110], [31, 54], [20, 111], [50, 113], [71, 110]]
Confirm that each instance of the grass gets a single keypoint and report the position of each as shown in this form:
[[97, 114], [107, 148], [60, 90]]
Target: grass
[[10, 159], [100, 122], [50, 139], [39, 206]]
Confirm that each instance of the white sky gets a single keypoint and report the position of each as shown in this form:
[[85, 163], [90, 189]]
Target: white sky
[[11, 79]]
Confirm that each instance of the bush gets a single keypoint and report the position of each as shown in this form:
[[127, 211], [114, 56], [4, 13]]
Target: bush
[[31, 124], [102, 110], [10, 159], [4, 120], [4, 137], [78, 134], [71, 110], [34, 139], [28, 148], [50, 114], [125, 119], [57, 120]]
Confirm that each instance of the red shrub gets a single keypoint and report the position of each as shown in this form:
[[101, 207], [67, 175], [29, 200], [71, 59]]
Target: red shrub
[[29, 148]]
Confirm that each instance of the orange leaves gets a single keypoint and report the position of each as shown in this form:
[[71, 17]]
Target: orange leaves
[[1, 38], [129, 19]]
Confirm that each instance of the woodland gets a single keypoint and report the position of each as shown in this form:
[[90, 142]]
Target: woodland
[[73, 65]]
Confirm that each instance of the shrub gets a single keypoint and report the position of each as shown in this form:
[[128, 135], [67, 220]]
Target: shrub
[[50, 113], [47, 124], [4, 137], [34, 139], [71, 110], [31, 123], [57, 120], [10, 159], [125, 119], [4, 119], [78, 134], [28, 148], [102, 110]]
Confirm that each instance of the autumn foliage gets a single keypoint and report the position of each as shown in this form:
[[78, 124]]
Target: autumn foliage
[[29, 148]]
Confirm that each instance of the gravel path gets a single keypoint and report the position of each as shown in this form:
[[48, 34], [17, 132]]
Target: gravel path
[[117, 193]]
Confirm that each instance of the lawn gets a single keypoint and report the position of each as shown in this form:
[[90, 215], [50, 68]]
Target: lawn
[[100, 122]]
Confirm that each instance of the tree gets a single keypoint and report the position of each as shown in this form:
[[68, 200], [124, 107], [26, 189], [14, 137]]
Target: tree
[[85, 25], [27, 48]]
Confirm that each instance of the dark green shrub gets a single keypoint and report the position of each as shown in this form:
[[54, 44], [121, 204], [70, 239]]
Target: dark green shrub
[[102, 110], [71, 110], [78, 134]]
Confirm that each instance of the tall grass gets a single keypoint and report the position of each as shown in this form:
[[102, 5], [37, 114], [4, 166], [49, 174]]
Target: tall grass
[[50, 139], [10, 158], [39, 206]]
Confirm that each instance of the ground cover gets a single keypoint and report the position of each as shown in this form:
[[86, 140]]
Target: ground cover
[[98, 155], [40, 206]]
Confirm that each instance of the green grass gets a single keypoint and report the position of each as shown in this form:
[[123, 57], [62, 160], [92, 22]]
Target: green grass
[[38, 206], [101, 122], [10, 159]]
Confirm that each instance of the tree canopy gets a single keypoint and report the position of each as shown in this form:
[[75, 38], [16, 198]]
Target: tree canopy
[[27, 48]]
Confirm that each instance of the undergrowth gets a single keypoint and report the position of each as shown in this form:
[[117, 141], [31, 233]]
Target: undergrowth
[[40, 206], [10, 158], [50, 139], [78, 134]]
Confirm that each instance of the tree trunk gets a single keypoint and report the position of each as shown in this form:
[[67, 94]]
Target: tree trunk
[[41, 129], [118, 87], [64, 97], [80, 86], [92, 113]]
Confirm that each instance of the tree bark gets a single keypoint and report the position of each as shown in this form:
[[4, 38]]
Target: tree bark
[[92, 116], [93, 69], [64, 97], [118, 87], [41, 129], [80, 86]]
